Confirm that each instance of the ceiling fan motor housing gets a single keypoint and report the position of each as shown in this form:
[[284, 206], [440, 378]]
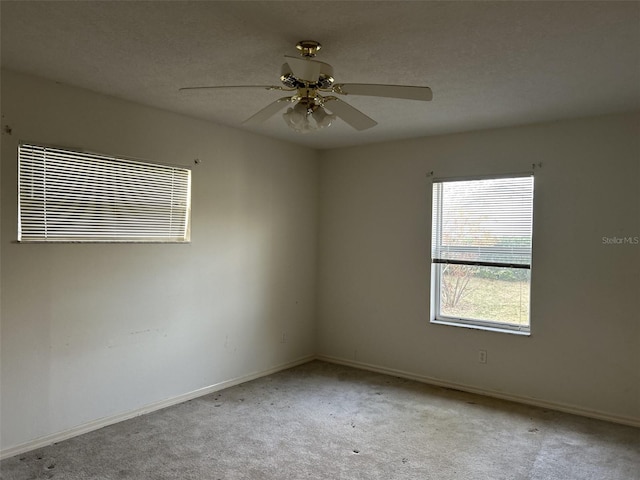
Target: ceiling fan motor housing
[[287, 78], [324, 81], [326, 78]]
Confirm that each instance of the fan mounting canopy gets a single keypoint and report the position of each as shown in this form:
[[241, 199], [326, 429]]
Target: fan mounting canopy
[[308, 48]]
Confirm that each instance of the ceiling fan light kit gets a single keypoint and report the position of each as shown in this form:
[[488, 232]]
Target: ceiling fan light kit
[[299, 117], [309, 79]]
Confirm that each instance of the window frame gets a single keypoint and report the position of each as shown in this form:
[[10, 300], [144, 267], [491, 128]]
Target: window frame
[[125, 163], [436, 268]]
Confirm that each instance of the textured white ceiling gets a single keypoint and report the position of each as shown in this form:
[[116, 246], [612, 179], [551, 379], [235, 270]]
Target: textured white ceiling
[[489, 64]]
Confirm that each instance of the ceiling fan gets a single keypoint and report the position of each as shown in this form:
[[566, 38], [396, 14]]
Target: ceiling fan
[[313, 85]]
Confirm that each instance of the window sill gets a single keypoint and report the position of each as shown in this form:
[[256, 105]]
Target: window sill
[[476, 326], [93, 242]]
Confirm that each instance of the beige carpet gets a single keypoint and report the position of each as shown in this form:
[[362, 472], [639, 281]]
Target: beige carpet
[[324, 421]]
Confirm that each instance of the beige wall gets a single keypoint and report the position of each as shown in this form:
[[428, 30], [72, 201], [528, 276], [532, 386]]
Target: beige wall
[[94, 330], [375, 232]]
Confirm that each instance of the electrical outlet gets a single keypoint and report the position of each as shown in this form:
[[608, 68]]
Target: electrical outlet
[[482, 356]]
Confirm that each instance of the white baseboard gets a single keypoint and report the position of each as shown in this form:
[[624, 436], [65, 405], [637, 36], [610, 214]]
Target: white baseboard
[[103, 422], [575, 410]]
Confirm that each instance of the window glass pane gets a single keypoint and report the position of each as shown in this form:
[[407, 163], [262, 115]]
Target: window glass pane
[[495, 294], [481, 252]]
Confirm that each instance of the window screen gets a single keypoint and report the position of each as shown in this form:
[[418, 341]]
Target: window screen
[[72, 196]]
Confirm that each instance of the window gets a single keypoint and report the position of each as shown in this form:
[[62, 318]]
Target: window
[[481, 252], [72, 196]]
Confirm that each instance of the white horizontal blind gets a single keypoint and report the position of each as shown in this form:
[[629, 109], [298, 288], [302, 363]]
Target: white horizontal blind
[[72, 196], [483, 221]]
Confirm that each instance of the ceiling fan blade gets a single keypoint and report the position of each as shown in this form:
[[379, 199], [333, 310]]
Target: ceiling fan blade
[[349, 114], [268, 111], [266, 87], [304, 68], [391, 91]]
